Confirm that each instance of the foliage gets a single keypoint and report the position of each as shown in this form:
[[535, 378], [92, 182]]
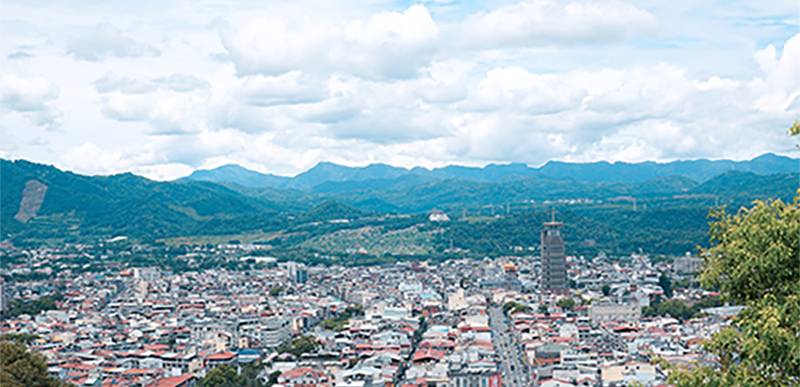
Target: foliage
[[226, 376], [338, 322], [755, 261], [512, 307], [273, 378], [665, 282], [606, 289], [32, 308], [20, 367], [566, 303], [301, 345], [276, 291], [23, 338], [543, 308]]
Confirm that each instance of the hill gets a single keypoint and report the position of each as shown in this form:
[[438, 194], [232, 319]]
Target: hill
[[663, 215], [597, 172], [75, 206]]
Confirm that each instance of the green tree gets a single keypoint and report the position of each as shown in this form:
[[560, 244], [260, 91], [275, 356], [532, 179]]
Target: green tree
[[301, 345], [226, 376], [754, 260], [606, 289], [666, 283], [20, 367], [24, 338], [566, 303], [276, 291]]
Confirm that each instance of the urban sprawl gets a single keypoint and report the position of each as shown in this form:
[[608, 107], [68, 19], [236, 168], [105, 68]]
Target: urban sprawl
[[550, 320]]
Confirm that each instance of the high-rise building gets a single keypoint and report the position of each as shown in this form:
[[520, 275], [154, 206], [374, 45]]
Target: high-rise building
[[554, 260], [3, 304]]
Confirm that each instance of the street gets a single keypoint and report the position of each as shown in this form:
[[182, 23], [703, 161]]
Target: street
[[514, 371]]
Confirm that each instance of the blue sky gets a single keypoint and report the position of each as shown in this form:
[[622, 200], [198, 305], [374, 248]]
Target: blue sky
[[161, 88]]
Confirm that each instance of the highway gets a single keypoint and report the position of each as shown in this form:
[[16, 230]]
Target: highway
[[514, 371]]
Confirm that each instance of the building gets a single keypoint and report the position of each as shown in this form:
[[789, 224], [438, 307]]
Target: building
[[274, 332], [303, 377], [220, 359], [438, 216], [3, 305], [301, 275], [554, 261], [686, 265], [175, 381], [600, 313]]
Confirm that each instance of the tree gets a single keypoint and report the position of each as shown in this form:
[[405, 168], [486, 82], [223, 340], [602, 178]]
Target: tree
[[754, 260], [606, 289], [276, 291], [566, 303], [22, 368], [666, 283], [301, 345], [226, 376]]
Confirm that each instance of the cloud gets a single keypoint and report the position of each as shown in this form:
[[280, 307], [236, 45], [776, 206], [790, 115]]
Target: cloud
[[19, 55], [390, 45], [182, 82], [290, 88], [167, 156], [108, 41], [112, 82], [544, 22], [33, 98]]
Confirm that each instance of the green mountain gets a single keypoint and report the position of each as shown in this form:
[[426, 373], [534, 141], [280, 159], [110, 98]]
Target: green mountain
[[664, 214], [318, 178], [238, 175], [75, 205]]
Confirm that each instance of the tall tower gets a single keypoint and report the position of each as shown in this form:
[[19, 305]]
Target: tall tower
[[554, 261]]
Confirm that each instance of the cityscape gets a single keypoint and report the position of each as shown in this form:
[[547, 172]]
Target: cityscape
[[509, 321], [384, 193]]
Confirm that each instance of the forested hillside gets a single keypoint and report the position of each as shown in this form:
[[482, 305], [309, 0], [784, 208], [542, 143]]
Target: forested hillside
[[661, 215]]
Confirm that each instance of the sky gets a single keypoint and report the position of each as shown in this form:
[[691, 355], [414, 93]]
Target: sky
[[161, 88]]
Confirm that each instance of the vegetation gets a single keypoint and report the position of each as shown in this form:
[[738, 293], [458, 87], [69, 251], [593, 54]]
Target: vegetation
[[301, 345], [566, 304], [512, 307], [754, 260], [665, 282], [32, 308], [501, 212], [338, 322], [226, 376], [23, 338], [276, 291], [20, 367]]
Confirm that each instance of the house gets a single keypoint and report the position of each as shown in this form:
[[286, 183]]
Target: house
[[303, 377], [175, 381]]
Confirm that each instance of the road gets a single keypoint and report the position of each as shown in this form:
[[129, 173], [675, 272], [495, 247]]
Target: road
[[514, 371]]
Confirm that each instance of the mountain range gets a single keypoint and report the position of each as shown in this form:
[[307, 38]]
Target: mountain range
[[596, 172], [40, 202]]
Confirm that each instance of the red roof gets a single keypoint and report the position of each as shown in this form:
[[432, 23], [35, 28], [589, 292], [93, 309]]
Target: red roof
[[172, 381], [221, 356]]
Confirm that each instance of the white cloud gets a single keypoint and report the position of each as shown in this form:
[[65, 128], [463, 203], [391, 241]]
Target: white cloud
[[32, 97], [285, 86], [389, 45], [108, 41], [543, 22]]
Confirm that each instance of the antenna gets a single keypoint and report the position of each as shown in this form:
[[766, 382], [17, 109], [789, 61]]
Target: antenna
[[552, 215]]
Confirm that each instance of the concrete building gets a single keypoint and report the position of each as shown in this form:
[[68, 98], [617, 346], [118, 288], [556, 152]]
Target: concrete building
[[554, 261], [600, 313]]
